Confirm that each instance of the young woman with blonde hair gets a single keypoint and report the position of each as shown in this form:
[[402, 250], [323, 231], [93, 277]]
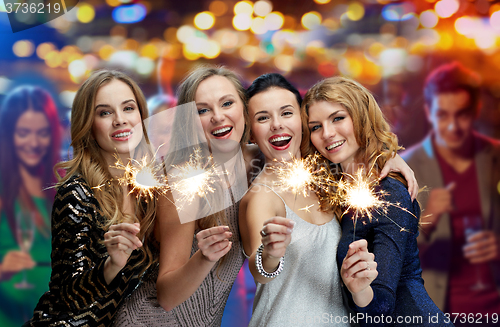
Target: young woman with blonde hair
[[346, 126], [100, 231]]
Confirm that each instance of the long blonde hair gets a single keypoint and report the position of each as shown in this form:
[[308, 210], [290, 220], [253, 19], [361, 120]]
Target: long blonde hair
[[186, 93], [90, 164], [372, 132]]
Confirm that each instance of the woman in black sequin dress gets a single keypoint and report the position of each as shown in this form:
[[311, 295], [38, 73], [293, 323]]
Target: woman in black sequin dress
[[98, 226]]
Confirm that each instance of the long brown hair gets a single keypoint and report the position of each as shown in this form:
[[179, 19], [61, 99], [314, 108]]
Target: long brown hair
[[88, 161], [372, 132]]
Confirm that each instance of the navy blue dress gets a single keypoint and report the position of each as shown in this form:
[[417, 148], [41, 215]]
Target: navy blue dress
[[400, 298]]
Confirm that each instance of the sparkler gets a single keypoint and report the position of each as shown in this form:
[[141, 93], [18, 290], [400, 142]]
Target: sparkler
[[142, 176], [300, 175], [361, 196], [195, 178]]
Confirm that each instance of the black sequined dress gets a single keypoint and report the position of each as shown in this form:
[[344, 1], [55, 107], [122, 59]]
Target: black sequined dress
[[78, 293]]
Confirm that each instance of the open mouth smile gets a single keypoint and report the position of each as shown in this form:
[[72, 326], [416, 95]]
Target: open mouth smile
[[335, 145], [280, 142], [122, 135], [222, 132]]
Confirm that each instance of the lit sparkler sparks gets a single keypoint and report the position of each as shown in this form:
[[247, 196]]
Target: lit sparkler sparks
[[142, 176], [360, 196], [306, 208], [300, 175], [194, 178]]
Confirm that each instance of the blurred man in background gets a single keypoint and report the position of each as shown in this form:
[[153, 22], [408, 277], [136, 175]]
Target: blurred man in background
[[460, 232]]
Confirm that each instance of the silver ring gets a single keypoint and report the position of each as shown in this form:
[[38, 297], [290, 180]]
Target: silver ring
[[367, 266], [262, 233]]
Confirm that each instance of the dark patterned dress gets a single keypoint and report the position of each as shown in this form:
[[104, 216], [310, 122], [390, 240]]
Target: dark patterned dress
[[399, 296], [78, 293]]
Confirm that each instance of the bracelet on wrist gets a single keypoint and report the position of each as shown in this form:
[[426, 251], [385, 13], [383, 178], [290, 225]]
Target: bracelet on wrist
[[260, 267]]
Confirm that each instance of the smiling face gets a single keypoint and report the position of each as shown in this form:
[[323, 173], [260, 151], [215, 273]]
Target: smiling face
[[221, 113], [32, 138], [117, 124], [452, 117], [275, 123], [332, 133]]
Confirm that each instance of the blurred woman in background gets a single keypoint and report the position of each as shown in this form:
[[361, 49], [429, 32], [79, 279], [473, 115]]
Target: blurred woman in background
[[30, 139]]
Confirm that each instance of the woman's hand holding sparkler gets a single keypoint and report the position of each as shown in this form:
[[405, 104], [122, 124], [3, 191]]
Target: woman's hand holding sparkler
[[398, 165], [120, 240], [358, 271], [214, 242], [276, 235]]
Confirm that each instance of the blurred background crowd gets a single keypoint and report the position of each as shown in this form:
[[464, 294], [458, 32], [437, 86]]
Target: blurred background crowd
[[388, 46]]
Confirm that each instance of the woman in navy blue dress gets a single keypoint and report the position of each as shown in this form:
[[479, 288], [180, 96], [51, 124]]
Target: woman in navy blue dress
[[347, 127]]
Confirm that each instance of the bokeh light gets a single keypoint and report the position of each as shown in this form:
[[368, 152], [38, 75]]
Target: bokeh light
[[311, 20], [243, 7], [350, 67], [43, 49], [445, 41], [77, 68], [53, 59], [129, 14], [446, 8], [392, 61], [262, 8], [465, 26], [249, 53], [327, 69], [485, 40], [397, 11], [258, 26], [218, 8], [428, 19], [144, 66], [274, 21], [355, 11], [185, 32], [204, 20], [495, 20], [284, 62], [212, 50], [322, 2], [242, 22], [227, 39], [86, 13], [23, 48], [125, 59], [149, 51], [106, 51], [113, 3]]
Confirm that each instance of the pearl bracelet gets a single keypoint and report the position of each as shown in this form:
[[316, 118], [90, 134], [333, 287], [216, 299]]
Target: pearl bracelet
[[260, 268]]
